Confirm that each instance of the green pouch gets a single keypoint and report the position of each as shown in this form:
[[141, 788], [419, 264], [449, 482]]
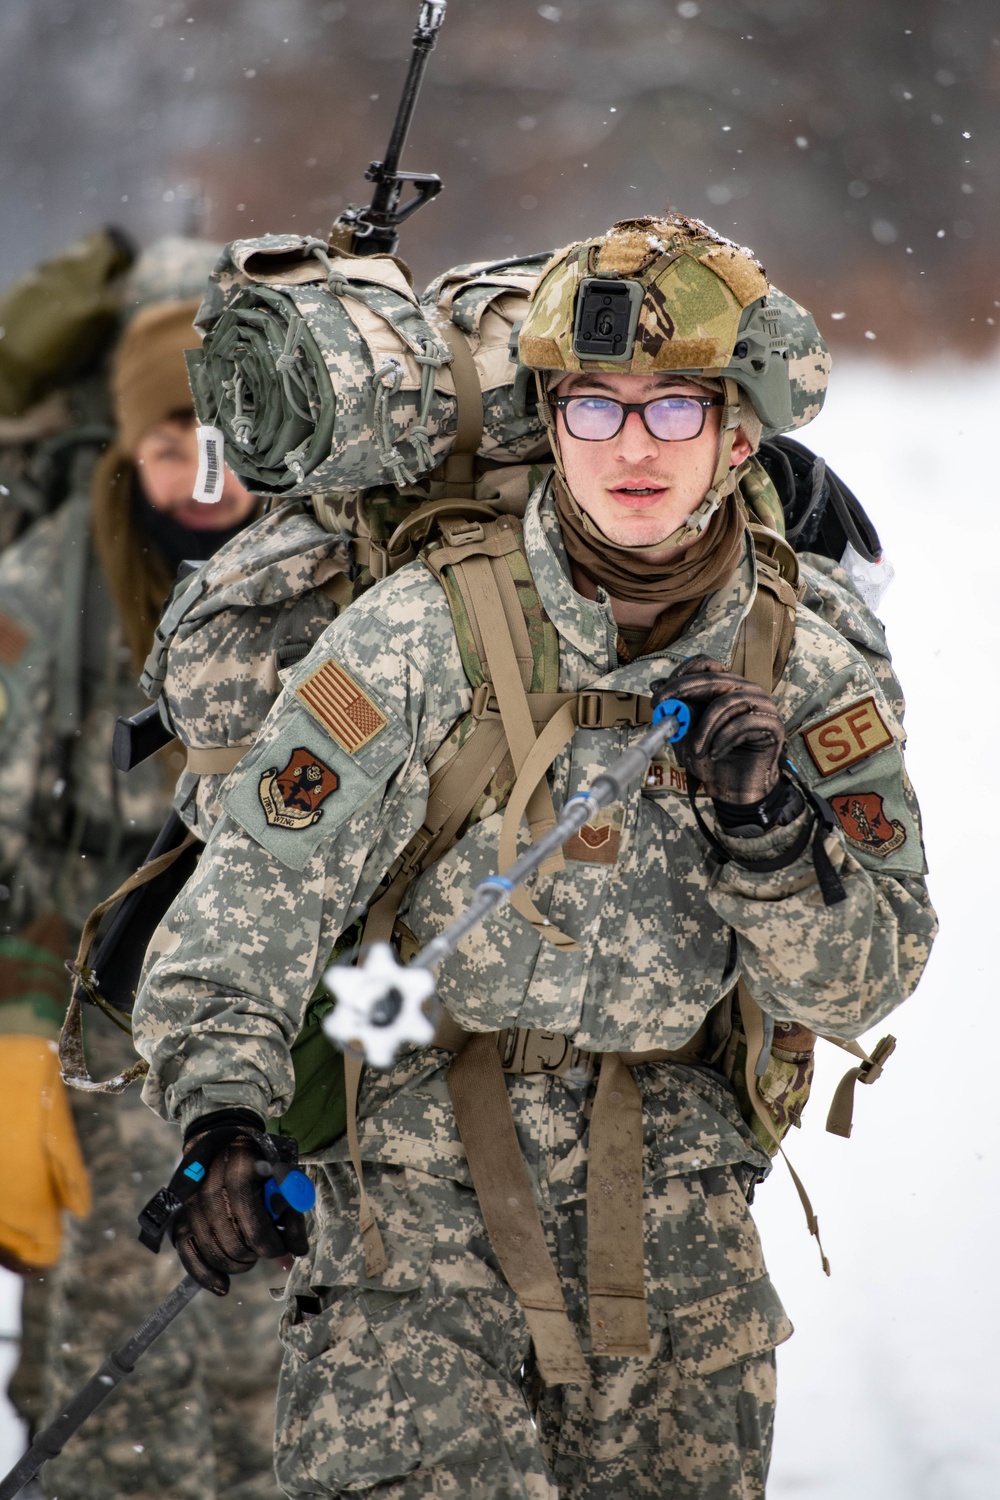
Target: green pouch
[[317, 1114], [59, 317]]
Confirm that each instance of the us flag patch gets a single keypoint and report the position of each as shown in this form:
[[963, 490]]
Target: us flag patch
[[342, 706]]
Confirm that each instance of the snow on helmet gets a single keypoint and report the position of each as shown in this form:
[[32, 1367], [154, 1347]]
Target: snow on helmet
[[670, 294]]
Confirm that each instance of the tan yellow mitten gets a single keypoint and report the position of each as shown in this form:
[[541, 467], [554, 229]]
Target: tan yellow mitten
[[42, 1169]]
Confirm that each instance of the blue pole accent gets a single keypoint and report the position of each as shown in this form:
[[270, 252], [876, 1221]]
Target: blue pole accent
[[673, 708], [296, 1190]]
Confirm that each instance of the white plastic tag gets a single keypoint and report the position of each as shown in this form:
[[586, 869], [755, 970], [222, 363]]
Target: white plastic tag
[[211, 458], [871, 579]]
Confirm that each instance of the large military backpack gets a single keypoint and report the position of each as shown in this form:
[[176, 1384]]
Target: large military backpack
[[234, 627]]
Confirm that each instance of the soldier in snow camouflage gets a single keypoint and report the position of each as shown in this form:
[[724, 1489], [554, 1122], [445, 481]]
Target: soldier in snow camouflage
[[416, 1374]]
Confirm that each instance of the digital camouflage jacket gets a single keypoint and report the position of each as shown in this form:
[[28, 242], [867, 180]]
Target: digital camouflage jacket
[[71, 827], [336, 785]]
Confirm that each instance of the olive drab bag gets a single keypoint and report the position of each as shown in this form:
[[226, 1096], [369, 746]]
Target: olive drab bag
[[233, 628]]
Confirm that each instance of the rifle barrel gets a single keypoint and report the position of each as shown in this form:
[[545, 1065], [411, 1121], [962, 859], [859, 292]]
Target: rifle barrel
[[423, 44]]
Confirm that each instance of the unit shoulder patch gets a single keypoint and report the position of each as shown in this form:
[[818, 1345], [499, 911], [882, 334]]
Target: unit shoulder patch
[[862, 817], [342, 706], [847, 737], [293, 797]]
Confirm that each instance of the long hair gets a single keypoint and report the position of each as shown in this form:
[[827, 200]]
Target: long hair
[[138, 578]]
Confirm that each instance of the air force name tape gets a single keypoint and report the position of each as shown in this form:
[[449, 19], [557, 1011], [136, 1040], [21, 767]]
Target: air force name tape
[[842, 739], [342, 706]]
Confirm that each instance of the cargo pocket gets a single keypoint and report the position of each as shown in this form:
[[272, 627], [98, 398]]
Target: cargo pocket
[[344, 1420], [716, 1408], [381, 1380], [718, 1331]]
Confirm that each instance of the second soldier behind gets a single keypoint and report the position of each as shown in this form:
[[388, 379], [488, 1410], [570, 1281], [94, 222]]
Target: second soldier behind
[[80, 594]]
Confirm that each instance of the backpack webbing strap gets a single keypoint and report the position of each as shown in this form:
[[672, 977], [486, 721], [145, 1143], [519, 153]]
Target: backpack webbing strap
[[616, 1270], [554, 737], [376, 1260], [72, 1058], [490, 596], [507, 1202], [753, 1026], [460, 465], [765, 636], [214, 760], [382, 559], [840, 1120], [762, 648]]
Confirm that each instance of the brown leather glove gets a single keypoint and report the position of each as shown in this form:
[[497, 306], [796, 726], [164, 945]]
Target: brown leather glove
[[736, 737], [225, 1227]]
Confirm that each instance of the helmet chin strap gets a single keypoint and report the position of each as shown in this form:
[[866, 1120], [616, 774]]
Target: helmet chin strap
[[724, 480]]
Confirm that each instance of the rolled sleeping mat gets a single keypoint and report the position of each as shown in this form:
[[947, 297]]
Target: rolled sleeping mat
[[324, 371]]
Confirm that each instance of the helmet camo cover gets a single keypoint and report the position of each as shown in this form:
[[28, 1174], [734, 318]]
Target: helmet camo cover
[[700, 306]]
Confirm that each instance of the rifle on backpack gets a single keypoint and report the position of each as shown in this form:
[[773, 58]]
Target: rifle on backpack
[[375, 230], [363, 231]]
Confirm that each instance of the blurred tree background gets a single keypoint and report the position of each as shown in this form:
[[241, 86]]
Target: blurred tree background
[[853, 144]]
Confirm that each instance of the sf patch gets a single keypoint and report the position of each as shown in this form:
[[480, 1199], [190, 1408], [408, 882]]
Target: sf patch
[[293, 797], [845, 738], [342, 706], [866, 827]]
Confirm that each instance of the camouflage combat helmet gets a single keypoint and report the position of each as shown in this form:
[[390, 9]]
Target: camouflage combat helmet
[[670, 294]]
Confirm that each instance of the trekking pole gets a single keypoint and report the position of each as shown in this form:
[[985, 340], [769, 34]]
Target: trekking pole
[[119, 1363], [285, 1188], [380, 1002]]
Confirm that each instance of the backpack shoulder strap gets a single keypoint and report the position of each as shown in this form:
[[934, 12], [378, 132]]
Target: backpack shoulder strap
[[509, 644], [764, 639]]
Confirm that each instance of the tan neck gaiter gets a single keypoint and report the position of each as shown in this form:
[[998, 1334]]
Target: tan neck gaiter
[[678, 585]]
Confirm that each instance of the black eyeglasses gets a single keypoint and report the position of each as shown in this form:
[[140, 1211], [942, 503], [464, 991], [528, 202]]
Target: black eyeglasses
[[669, 419]]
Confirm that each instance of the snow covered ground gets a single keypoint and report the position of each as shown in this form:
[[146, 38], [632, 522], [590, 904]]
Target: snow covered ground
[[891, 1386]]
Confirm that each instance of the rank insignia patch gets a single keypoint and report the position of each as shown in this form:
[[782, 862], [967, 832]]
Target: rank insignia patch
[[293, 797], [343, 707], [841, 740], [596, 843], [862, 817]]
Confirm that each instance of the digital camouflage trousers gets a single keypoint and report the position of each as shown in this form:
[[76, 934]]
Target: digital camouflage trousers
[[421, 1384]]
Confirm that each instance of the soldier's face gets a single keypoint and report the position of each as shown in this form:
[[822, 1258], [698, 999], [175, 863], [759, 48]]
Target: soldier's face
[[636, 488], [167, 464]]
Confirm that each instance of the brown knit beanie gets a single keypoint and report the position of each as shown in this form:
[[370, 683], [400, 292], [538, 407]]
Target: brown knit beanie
[[149, 377]]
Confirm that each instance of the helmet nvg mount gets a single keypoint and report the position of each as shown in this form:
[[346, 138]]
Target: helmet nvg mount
[[656, 295]]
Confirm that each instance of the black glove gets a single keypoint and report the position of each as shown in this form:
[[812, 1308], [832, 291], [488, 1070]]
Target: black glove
[[224, 1226], [736, 739]]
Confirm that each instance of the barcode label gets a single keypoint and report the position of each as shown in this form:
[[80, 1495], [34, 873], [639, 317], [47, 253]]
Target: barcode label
[[211, 457]]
